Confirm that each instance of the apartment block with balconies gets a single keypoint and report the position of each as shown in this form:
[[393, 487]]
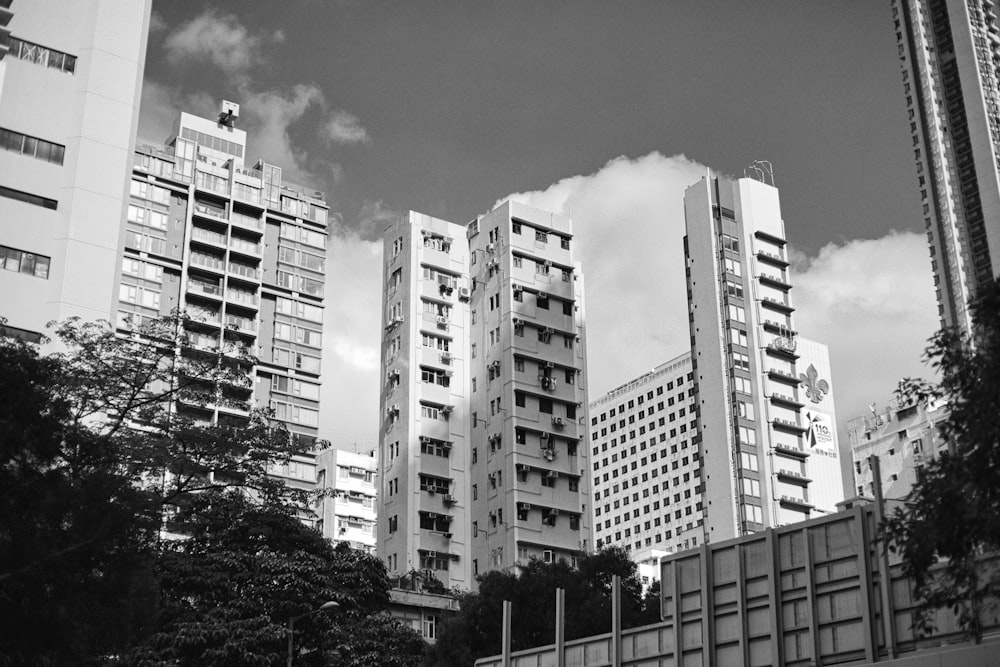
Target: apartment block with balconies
[[242, 255]]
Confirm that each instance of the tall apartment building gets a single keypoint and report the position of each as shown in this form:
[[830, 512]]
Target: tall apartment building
[[347, 514], [483, 403], [758, 436], [242, 253], [70, 79], [949, 52], [903, 436]]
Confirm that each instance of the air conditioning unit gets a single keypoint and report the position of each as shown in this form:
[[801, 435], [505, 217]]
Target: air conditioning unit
[[450, 500], [442, 319], [545, 437], [491, 247], [549, 454], [394, 409], [464, 294], [446, 409], [549, 364], [446, 536], [524, 507], [551, 474], [446, 356], [493, 263], [430, 491], [557, 422], [494, 365], [424, 440]]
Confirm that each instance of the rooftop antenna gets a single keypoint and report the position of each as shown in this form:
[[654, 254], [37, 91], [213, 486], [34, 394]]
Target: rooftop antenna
[[760, 170]]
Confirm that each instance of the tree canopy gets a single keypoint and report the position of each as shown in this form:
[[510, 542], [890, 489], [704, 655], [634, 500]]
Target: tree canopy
[[93, 460], [475, 631], [951, 518]]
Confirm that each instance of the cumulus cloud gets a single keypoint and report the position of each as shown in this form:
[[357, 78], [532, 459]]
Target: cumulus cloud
[[374, 217], [157, 24], [352, 324], [161, 106], [628, 221], [342, 127], [872, 302], [220, 39]]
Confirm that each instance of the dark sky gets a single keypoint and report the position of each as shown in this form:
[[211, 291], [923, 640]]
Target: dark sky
[[465, 102]]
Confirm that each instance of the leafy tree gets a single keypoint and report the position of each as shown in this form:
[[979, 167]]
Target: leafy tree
[[951, 518], [90, 457], [475, 631], [230, 588]]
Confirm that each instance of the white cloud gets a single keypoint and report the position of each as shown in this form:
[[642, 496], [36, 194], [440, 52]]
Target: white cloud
[[352, 325], [220, 39], [344, 128], [269, 116], [628, 222], [157, 24], [161, 106], [872, 302]]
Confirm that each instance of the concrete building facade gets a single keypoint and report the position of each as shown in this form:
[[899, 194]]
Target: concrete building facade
[[483, 405], [752, 385], [949, 52], [242, 253], [903, 436], [347, 513], [645, 463], [70, 80]]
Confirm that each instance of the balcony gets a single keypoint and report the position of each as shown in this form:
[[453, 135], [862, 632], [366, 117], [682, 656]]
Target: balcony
[[774, 281], [208, 262], [243, 324], [790, 451], [213, 290], [208, 236], [211, 212], [783, 347], [241, 298], [772, 258], [796, 504], [792, 477], [245, 247], [243, 271], [782, 399], [781, 306], [778, 328], [788, 425], [776, 374]]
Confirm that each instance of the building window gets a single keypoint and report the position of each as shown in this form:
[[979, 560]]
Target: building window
[[28, 263], [430, 625], [32, 146], [28, 198], [41, 55]]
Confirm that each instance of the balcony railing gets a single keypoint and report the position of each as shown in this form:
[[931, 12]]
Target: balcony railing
[[205, 288], [245, 271], [245, 246], [211, 212], [208, 235], [241, 323]]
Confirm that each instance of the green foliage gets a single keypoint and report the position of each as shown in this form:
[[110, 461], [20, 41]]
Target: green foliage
[[952, 516], [475, 632], [229, 590], [92, 459]]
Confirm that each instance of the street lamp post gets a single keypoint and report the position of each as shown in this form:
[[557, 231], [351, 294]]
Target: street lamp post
[[291, 627]]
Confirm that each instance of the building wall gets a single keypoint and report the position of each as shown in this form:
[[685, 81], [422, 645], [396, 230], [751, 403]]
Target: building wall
[[819, 592], [424, 435], [826, 487], [88, 108], [949, 52], [745, 356], [348, 513], [646, 464], [903, 437], [482, 464], [240, 252]]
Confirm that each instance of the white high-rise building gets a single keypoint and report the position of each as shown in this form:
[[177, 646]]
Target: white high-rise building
[[483, 406], [70, 79], [347, 513], [949, 52], [765, 413]]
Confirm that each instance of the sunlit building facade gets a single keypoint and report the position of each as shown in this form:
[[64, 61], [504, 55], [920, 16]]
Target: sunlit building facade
[[949, 52], [347, 510], [240, 252], [483, 407], [70, 80]]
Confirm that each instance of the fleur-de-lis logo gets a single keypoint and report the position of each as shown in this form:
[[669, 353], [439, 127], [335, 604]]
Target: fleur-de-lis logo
[[816, 389]]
